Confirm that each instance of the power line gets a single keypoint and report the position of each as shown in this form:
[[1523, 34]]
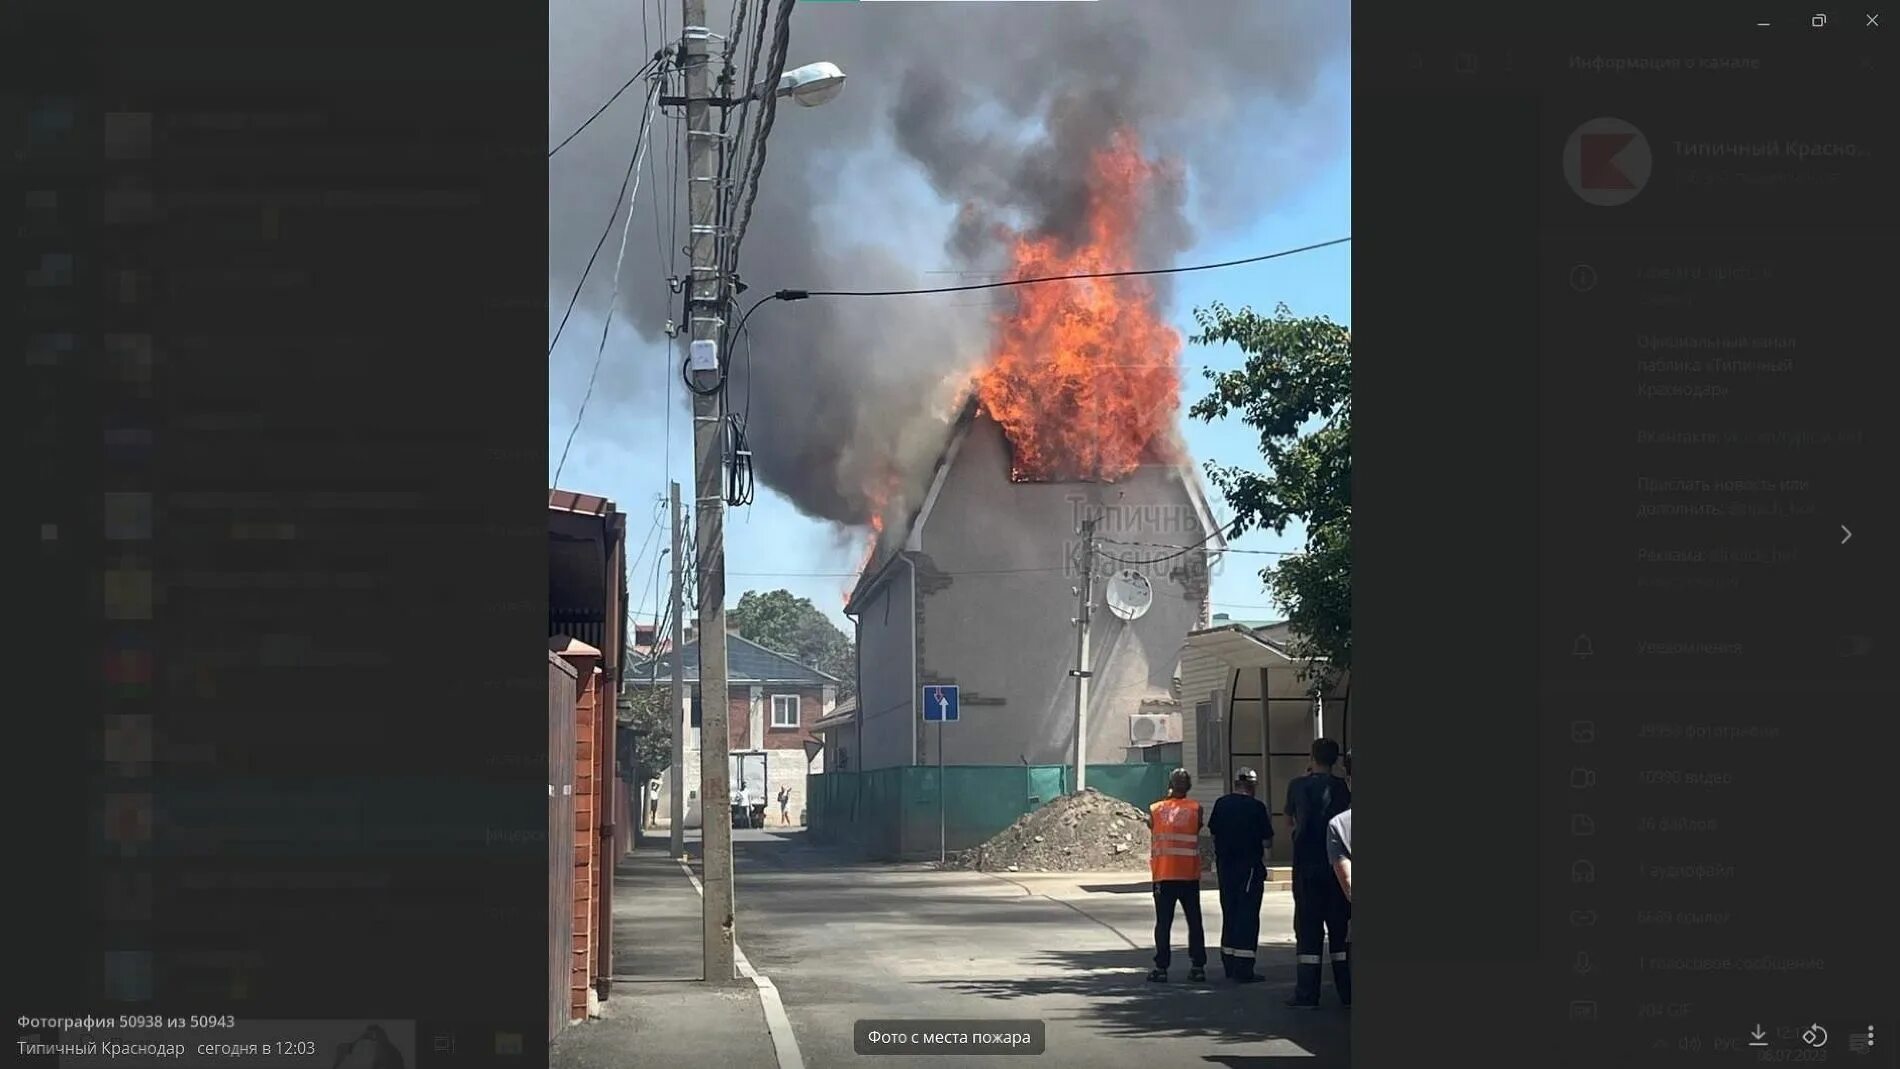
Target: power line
[[633, 164], [1167, 545], [1183, 550], [799, 295], [602, 110], [613, 301]]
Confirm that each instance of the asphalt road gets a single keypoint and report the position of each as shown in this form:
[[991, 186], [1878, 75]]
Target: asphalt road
[[847, 941]]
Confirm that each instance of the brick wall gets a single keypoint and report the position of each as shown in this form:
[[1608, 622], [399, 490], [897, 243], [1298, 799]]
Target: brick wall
[[744, 700]]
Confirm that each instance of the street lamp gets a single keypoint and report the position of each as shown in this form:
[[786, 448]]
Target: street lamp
[[811, 85]]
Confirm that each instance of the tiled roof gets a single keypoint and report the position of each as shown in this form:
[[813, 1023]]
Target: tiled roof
[[746, 662]]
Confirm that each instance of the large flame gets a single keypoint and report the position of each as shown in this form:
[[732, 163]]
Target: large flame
[[1084, 376], [878, 498]]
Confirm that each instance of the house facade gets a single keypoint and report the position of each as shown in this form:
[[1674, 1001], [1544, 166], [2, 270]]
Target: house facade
[[773, 704], [980, 589]]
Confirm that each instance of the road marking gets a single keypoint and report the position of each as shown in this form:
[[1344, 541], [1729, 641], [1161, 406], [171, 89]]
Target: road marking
[[784, 1043]]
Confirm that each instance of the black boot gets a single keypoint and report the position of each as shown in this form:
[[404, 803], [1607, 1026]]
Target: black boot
[[1306, 986], [1342, 980]]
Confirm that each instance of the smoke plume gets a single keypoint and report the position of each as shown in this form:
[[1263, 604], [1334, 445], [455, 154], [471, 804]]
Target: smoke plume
[[957, 120]]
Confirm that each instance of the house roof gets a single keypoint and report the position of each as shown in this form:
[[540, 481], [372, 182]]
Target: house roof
[[746, 662], [844, 714], [890, 550]]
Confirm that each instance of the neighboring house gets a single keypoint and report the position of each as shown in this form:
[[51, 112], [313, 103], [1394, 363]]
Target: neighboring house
[[837, 736], [1225, 670], [978, 588], [773, 704]]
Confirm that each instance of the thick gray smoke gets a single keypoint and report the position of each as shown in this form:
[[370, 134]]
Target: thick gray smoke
[[957, 119]]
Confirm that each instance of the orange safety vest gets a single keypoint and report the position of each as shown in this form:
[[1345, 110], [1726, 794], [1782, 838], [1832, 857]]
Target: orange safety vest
[[1174, 851]]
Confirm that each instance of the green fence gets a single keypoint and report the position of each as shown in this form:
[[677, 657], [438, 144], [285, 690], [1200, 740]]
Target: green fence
[[895, 812]]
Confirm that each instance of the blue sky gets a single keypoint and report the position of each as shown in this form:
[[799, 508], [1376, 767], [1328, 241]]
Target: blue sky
[[770, 545]]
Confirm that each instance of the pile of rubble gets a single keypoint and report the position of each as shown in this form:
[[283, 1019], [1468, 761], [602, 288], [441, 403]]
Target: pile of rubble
[[1086, 832]]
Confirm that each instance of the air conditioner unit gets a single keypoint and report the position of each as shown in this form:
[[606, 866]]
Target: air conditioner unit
[[1153, 729]]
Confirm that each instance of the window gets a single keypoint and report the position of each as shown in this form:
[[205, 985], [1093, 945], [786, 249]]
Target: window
[[1210, 741], [784, 710]]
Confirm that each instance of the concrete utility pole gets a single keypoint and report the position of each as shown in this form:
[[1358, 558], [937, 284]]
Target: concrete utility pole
[[682, 723], [1085, 604], [706, 311]]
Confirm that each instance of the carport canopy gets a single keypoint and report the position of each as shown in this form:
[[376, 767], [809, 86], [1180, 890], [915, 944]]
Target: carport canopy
[[1239, 647]]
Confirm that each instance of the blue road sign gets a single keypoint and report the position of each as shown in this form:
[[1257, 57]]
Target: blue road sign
[[940, 703]]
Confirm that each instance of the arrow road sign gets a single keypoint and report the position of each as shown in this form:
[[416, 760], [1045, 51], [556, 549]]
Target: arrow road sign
[[940, 704]]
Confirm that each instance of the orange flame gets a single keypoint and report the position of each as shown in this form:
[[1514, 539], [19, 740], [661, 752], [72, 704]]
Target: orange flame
[[1084, 375], [879, 501]]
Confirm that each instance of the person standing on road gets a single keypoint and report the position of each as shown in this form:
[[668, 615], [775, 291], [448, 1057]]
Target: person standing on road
[[785, 806], [653, 803], [1174, 861], [1320, 909], [1339, 853], [1242, 830]]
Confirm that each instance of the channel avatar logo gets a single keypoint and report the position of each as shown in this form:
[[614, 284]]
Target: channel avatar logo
[[1607, 162]]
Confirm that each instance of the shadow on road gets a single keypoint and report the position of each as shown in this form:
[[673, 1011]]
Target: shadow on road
[[1141, 888], [1115, 998]]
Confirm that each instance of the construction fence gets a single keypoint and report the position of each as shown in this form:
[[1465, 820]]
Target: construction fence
[[895, 812]]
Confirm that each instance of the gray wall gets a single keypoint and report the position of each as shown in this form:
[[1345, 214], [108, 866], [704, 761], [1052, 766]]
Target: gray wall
[[996, 599], [885, 701]]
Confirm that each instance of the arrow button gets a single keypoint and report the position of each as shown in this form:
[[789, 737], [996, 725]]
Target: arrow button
[[1845, 534]]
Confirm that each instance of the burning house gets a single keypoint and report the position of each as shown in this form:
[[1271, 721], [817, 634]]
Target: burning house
[[1069, 422], [978, 589]]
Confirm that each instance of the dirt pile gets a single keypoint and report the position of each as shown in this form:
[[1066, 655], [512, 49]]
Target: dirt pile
[[1086, 832]]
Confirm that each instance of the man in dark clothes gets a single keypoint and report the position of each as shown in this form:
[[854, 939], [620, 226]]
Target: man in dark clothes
[[1320, 908], [1242, 830]]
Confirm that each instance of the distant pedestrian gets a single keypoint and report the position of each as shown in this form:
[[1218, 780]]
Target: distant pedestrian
[[1243, 831], [653, 803], [1174, 862], [1321, 912], [785, 806]]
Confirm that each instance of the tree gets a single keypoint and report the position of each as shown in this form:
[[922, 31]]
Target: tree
[[793, 626], [653, 744], [1295, 388]]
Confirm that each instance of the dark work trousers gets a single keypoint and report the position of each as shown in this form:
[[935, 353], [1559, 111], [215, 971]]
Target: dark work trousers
[[1241, 887], [1321, 920], [1188, 894]]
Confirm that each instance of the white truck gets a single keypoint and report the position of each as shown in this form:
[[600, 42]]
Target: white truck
[[746, 776]]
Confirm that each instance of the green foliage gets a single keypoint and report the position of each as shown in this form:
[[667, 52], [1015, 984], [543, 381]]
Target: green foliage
[[795, 627], [654, 743], [1295, 388]]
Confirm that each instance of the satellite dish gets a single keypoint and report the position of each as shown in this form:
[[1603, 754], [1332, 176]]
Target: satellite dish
[[1129, 594]]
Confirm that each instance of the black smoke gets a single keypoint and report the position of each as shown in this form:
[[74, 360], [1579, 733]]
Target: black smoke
[[957, 122]]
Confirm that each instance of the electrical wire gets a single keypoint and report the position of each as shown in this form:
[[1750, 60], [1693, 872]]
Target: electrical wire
[[574, 298], [739, 484], [613, 301], [799, 295], [1182, 550], [645, 69], [754, 53], [768, 112]]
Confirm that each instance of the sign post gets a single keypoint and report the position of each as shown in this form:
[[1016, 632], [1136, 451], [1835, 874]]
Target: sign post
[[940, 706]]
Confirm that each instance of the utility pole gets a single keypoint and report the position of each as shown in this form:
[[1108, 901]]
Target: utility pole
[[682, 722], [705, 312], [1083, 608]]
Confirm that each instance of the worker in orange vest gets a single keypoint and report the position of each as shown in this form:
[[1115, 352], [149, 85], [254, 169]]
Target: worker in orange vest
[[1174, 861]]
